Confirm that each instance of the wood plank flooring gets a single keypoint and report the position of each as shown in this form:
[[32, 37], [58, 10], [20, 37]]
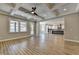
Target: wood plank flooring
[[42, 45]]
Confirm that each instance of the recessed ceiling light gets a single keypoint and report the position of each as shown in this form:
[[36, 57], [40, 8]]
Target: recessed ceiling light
[[64, 9]]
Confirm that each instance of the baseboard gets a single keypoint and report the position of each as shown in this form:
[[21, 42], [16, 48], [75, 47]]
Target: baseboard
[[16, 38], [72, 40]]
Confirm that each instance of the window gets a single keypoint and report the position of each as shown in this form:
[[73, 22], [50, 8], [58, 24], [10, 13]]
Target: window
[[13, 26], [16, 26], [54, 27], [23, 26]]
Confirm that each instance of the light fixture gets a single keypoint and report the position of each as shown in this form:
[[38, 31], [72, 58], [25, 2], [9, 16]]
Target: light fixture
[[32, 12], [64, 9]]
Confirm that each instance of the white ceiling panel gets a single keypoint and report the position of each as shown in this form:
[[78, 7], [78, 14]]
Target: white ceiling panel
[[42, 9]]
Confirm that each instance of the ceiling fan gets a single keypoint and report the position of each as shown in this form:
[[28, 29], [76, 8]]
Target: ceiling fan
[[30, 12]]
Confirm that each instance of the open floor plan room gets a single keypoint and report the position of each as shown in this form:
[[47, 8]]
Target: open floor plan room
[[39, 28]]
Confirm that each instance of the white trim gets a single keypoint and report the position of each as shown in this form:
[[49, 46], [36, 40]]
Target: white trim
[[72, 40]]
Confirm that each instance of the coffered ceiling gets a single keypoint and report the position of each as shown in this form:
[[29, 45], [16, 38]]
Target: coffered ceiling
[[45, 10]]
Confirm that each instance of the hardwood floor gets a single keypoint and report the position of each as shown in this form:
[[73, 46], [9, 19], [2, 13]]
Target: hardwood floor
[[42, 45]]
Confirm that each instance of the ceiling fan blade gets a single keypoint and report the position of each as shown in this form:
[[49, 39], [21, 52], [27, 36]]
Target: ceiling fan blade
[[24, 10], [38, 15], [27, 11], [35, 14]]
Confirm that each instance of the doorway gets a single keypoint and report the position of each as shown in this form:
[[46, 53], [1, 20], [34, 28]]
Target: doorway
[[55, 26]]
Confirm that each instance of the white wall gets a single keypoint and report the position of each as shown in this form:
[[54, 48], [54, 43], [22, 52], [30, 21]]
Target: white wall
[[56, 21], [72, 27], [4, 25]]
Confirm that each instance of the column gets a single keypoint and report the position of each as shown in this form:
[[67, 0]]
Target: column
[[36, 28], [28, 28]]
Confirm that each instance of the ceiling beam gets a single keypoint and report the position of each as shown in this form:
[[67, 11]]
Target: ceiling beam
[[58, 17], [7, 14]]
